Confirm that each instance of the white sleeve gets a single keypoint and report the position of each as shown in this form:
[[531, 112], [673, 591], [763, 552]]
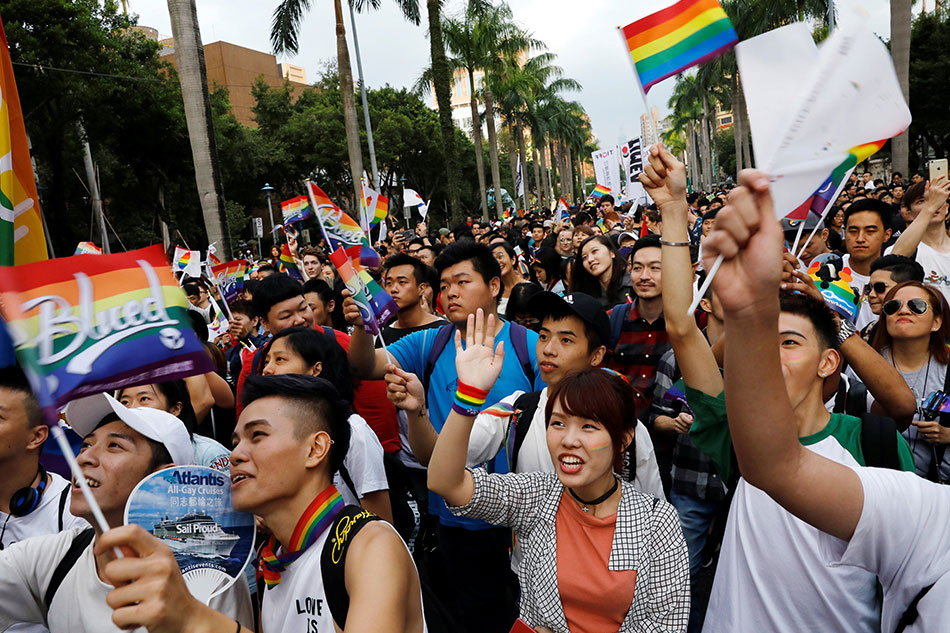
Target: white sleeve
[[488, 434], [647, 479], [364, 459], [901, 535], [26, 568]]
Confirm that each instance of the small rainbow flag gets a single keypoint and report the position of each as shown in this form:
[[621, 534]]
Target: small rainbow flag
[[288, 264], [229, 277], [599, 192], [84, 325], [375, 205], [820, 201], [87, 248], [295, 210], [341, 230], [375, 310], [669, 41]]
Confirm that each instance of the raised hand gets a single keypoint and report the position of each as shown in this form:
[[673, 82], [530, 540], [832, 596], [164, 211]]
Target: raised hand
[[351, 311], [935, 198], [664, 177], [479, 363], [404, 389], [748, 237]]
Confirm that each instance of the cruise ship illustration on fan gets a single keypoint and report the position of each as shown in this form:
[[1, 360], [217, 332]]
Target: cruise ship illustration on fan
[[195, 533]]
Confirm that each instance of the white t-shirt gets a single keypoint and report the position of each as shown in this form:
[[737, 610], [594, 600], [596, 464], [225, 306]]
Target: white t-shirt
[[771, 566], [44, 520], [859, 281], [489, 433], [936, 267], [79, 605], [363, 462], [902, 537], [211, 453]]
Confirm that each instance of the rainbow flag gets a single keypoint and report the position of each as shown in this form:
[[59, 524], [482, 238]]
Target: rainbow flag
[[229, 277], [376, 309], [187, 262], [295, 210], [599, 192], [288, 264], [669, 41], [87, 248], [375, 205], [342, 231], [84, 325], [22, 238], [820, 201]]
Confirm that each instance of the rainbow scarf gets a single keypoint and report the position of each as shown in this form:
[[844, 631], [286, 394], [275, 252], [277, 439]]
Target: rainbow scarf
[[315, 520]]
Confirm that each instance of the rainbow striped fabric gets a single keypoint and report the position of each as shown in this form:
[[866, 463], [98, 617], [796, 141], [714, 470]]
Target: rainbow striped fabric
[[288, 264], [84, 325], [316, 519], [820, 201], [229, 277], [341, 230], [669, 41], [22, 238], [375, 304], [87, 248], [599, 192], [295, 210]]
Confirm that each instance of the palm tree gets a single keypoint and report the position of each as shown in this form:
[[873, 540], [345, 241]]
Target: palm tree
[[194, 92], [284, 30], [900, 53]]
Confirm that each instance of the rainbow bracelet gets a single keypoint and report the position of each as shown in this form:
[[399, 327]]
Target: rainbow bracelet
[[468, 400]]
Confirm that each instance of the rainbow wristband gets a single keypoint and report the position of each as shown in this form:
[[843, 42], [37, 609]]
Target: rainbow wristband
[[468, 400]]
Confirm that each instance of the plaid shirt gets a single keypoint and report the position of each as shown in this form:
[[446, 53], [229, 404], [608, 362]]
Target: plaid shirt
[[647, 538], [694, 474], [637, 353]]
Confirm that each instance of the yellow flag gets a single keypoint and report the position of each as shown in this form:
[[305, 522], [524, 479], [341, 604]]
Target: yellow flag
[[22, 239]]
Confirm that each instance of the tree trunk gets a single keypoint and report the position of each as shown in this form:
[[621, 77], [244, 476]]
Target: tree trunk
[[582, 177], [707, 154], [545, 175], [513, 157], [524, 164], [350, 120], [900, 53], [477, 139], [197, 105], [569, 169], [693, 156], [746, 145], [442, 79], [493, 152]]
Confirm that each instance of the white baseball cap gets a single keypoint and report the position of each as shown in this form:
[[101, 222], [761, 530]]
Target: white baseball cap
[[85, 414]]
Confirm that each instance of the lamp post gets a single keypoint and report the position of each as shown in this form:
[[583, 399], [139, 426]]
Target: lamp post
[[267, 189]]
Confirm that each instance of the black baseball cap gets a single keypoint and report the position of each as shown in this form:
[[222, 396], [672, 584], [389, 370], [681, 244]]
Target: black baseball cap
[[581, 305]]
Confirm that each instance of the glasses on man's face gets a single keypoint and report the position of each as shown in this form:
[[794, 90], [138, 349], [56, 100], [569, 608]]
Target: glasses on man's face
[[879, 287], [917, 306], [414, 251]]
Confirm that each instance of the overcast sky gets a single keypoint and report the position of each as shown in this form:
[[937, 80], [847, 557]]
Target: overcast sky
[[582, 34]]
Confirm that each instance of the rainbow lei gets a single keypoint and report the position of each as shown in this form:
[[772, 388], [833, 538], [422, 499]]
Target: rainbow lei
[[315, 520]]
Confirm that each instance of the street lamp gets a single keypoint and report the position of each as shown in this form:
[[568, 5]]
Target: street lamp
[[267, 189]]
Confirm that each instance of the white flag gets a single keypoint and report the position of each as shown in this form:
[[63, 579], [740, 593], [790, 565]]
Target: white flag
[[519, 179], [413, 199], [607, 168]]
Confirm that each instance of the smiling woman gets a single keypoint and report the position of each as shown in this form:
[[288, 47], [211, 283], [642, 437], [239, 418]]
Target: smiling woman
[[598, 555]]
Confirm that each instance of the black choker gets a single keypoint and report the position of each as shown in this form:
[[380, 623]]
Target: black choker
[[584, 503]]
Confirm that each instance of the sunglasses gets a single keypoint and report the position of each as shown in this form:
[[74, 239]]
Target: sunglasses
[[878, 287], [917, 306]]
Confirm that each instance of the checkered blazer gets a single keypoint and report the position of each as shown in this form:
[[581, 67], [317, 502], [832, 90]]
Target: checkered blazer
[[647, 538]]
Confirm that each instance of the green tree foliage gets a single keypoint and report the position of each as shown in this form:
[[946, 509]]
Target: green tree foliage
[[929, 92]]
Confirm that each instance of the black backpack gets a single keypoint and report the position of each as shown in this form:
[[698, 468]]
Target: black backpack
[[333, 569], [878, 433]]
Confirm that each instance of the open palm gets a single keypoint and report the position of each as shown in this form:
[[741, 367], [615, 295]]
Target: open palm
[[479, 363]]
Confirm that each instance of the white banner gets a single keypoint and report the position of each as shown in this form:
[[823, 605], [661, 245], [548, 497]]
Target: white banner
[[519, 179], [631, 154], [607, 168]]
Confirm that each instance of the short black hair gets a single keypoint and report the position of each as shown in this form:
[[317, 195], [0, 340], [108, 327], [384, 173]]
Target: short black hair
[[269, 268], [519, 298], [272, 290], [250, 286], [508, 248], [321, 288], [647, 241], [192, 288], [242, 306], [607, 198], [404, 259], [817, 312], [593, 335], [913, 193], [901, 268], [480, 256], [882, 209], [14, 379], [318, 406], [318, 346]]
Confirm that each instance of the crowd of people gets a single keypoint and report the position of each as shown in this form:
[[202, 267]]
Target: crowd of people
[[543, 433]]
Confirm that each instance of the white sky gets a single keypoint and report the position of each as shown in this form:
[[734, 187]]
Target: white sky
[[582, 34]]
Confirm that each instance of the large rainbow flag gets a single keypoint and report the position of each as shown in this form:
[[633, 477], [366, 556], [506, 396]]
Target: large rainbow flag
[[340, 230], [229, 277], [22, 238], [669, 41], [83, 325], [819, 202]]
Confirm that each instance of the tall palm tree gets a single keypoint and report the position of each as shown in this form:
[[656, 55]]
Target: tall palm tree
[[900, 53], [194, 92], [285, 28]]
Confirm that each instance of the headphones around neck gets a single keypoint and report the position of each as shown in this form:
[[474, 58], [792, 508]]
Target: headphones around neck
[[25, 500]]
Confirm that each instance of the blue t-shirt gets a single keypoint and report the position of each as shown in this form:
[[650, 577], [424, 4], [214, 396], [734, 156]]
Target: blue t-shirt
[[412, 352]]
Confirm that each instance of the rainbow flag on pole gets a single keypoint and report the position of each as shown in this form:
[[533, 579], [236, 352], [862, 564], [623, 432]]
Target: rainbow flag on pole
[[340, 230], [375, 304], [288, 264], [22, 238], [84, 325], [87, 248], [820, 201], [229, 278], [295, 210], [669, 41], [599, 192]]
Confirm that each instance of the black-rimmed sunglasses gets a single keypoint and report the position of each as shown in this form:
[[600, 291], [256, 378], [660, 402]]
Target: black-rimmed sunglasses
[[917, 306], [878, 286]]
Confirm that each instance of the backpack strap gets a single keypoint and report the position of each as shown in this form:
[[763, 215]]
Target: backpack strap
[[519, 340], [525, 407], [80, 542], [441, 340], [617, 316], [333, 559], [910, 615], [62, 506], [879, 442], [857, 400]]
